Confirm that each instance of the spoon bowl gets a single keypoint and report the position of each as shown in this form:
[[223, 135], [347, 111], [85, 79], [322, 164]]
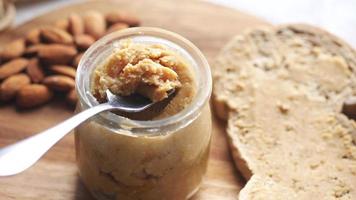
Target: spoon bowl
[[132, 103]]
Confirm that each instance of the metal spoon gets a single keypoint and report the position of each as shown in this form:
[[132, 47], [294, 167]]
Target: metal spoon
[[18, 157]]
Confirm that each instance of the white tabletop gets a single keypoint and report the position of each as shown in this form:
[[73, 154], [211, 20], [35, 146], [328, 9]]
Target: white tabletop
[[338, 17]]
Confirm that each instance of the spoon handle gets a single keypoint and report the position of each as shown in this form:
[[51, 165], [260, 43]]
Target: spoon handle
[[18, 157]]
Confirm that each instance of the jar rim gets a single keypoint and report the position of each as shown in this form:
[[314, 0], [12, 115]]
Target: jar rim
[[150, 127]]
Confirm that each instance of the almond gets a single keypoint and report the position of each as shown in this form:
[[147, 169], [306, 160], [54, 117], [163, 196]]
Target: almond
[[33, 50], [62, 24], [75, 24], [56, 35], [12, 67], [83, 41], [35, 71], [33, 36], [94, 24], [76, 60], [33, 95], [13, 50], [121, 17], [72, 97], [57, 54], [63, 70], [59, 82], [11, 85], [117, 27]]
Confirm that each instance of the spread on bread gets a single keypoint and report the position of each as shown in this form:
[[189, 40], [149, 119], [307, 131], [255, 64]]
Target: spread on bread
[[283, 105]]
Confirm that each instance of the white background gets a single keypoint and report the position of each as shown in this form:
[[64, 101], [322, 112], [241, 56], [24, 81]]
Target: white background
[[336, 16]]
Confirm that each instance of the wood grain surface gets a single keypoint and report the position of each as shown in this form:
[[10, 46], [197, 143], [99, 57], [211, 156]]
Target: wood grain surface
[[55, 176]]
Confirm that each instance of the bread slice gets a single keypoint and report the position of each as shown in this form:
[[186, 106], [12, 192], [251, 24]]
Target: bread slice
[[281, 91], [266, 189]]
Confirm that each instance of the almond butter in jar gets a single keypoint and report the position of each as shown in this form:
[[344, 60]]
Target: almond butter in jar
[[161, 153]]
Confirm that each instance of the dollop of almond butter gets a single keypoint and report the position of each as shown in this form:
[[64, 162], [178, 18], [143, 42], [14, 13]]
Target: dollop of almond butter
[[147, 69]]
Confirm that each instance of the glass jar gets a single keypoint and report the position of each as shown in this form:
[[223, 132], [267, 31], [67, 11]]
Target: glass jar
[[119, 158]]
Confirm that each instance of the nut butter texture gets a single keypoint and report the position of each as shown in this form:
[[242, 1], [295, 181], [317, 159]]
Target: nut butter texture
[[123, 167], [146, 69], [151, 70], [121, 164]]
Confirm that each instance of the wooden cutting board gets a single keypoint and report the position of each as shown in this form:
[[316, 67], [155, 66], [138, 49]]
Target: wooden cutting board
[[55, 175]]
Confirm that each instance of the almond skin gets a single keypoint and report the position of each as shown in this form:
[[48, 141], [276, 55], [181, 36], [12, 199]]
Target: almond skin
[[83, 41], [56, 54], [33, 36], [33, 95], [35, 71], [13, 50], [72, 97], [121, 17], [94, 24], [62, 24], [33, 49], [76, 60], [12, 85], [56, 35], [75, 24], [64, 70], [12, 67], [117, 27], [59, 82]]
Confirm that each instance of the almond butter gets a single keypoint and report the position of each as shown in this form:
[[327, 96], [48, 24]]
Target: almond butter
[[57, 54], [33, 36], [122, 17], [13, 50], [12, 67], [56, 35], [75, 24], [83, 41], [117, 27], [94, 24], [35, 71], [11, 85], [62, 24], [33, 95], [33, 49], [64, 70], [59, 82], [72, 97], [76, 60]]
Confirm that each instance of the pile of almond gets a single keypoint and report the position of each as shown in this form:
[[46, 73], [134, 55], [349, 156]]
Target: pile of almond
[[43, 64]]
